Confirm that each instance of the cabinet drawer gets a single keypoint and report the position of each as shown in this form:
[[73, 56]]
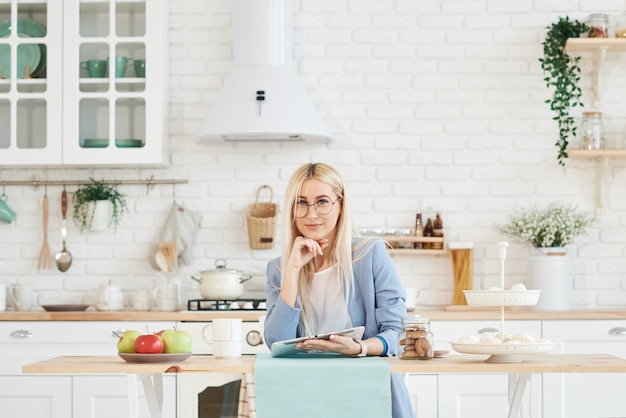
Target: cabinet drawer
[[588, 330], [68, 332]]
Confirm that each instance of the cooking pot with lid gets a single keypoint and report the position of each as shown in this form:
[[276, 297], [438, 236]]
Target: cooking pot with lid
[[221, 283]]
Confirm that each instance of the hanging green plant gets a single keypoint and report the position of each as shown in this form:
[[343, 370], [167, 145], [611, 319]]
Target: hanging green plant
[[97, 190], [562, 74]]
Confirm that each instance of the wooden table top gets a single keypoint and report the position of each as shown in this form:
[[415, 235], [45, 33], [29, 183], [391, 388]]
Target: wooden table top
[[544, 363]]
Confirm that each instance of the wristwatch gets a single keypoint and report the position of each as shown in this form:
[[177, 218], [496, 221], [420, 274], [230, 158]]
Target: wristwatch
[[363, 352]]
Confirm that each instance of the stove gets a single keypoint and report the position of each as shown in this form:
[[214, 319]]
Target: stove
[[226, 305]]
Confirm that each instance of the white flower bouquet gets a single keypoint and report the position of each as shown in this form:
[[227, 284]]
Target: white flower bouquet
[[554, 226]]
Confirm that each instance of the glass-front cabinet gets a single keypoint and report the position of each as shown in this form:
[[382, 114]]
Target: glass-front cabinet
[[83, 82]]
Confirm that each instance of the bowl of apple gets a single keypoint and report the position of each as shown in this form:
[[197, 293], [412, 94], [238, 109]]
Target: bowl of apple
[[166, 346]]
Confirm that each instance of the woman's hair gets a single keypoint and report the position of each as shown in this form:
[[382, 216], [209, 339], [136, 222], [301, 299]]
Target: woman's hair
[[340, 250]]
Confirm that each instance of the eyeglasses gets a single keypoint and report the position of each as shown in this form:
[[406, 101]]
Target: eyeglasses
[[322, 206]]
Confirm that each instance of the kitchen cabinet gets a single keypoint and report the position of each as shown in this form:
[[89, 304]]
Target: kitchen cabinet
[[597, 395], [423, 393], [62, 116], [98, 396], [25, 342], [42, 397]]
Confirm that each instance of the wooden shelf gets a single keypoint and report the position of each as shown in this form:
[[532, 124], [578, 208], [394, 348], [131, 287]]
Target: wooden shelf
[[602, 157], [596, 153], [592, 44], [396, 238], [598, 47]]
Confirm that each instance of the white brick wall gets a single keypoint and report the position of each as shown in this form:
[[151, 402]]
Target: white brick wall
[[436, 105]]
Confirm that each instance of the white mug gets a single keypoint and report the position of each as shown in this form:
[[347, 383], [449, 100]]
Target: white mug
[[227, 349], [227, 329], [22, 295], [411, 296], [167, 304], [142, 301], [3, 297]]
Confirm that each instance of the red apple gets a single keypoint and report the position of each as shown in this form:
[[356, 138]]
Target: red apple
[[149, 344]]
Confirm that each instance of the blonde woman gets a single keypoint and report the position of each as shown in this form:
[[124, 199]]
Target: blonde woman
[[329, 279]]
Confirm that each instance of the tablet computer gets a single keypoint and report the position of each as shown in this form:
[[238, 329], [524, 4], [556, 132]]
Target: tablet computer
[[287, 348]]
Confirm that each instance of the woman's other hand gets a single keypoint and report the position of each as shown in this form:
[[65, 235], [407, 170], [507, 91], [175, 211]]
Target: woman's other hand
[[340, 344]]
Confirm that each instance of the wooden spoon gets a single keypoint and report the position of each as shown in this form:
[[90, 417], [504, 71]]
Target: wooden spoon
[[161, 261]]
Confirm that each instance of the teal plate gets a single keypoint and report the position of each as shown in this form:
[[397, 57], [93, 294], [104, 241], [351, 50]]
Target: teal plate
[[27, 54], [129, 143], [96, 143]]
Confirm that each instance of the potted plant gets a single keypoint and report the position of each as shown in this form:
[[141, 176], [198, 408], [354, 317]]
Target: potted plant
[[549, 230], [555, 226], [90, 199], [562, 73]]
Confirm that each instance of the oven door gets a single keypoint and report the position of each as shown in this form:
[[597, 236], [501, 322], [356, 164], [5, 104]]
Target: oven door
[[202, 337], [208, 395]]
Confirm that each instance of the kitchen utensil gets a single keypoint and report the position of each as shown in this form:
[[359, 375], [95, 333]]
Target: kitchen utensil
[[45, 257], [165, 250], [64, 257], [161, 261], [221, 283], [174, 249]]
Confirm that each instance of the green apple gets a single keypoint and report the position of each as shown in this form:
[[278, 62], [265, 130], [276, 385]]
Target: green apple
[[126, 343], [175, 341]]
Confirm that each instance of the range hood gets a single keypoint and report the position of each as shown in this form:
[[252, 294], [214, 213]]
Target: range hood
[[263, 98]]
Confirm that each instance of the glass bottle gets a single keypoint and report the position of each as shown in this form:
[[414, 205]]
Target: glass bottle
[[620, 26], [416, 341], [428, 232], [419, 231], [438, 232], [591, 131], [598, 24]]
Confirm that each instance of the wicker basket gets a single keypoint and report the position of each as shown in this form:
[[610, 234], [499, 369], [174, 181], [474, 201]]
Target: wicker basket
[[261, 219]]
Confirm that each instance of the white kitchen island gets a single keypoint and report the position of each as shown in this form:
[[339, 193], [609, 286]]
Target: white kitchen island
[[150, 373]]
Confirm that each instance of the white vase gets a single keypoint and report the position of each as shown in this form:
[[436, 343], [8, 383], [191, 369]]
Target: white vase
[[102, 215], [549, 271]]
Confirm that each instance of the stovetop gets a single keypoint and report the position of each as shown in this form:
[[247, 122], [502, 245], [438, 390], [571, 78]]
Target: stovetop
[[226, 305]]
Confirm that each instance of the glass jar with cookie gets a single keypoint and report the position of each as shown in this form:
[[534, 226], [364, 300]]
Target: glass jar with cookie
[[416, 341]]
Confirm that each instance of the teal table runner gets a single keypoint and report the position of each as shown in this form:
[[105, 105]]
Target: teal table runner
[[325, 386]]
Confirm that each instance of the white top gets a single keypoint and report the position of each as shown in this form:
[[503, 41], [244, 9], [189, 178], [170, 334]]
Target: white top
[[327, 302]]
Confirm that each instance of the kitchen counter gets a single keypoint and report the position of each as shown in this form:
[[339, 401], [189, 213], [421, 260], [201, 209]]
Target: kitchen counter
[[454, 313], [151, 373], [545, 363]]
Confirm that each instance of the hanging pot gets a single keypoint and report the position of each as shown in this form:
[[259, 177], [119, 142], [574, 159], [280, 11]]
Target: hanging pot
[[221, 283]]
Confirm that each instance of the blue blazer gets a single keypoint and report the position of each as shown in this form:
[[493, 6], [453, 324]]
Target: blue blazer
[[377, 303]]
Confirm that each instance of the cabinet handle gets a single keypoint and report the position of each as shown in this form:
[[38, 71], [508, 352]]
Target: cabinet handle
[[21, 333], [617, 331], [488, 329]]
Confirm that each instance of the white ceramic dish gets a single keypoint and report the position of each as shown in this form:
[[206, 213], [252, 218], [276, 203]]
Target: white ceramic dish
[[503, 353], [502, 297], [154, 358]]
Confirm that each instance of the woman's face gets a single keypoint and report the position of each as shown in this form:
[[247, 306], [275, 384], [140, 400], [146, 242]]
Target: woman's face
[[315, 225]]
